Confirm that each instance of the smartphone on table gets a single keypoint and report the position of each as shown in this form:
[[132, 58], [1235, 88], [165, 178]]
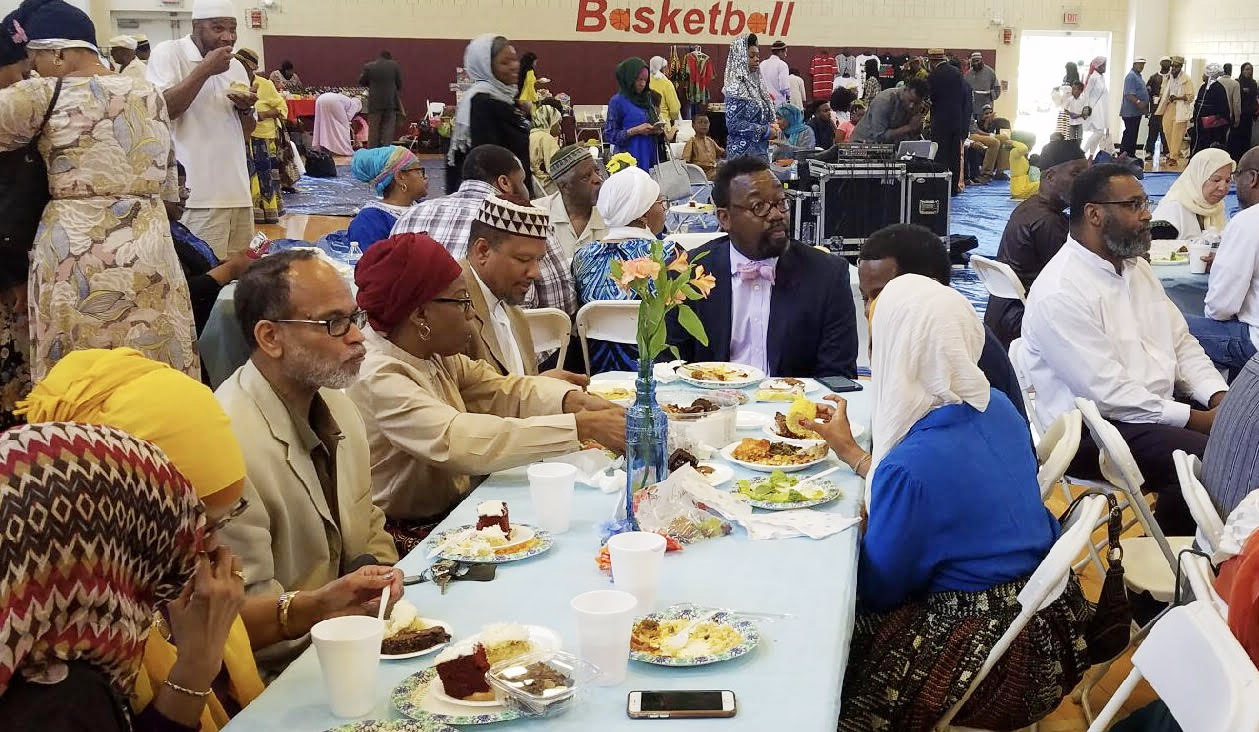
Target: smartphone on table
[[839, 384], [680, 704]]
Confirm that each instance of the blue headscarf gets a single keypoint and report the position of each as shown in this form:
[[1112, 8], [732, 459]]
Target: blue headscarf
[[55, 24], [379, 165], [795, 121]]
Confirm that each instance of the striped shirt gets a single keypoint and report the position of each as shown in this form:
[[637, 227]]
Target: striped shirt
[[1230, 466]]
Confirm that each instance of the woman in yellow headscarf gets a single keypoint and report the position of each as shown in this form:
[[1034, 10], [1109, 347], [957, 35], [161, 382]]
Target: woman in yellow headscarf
[[150, 400]]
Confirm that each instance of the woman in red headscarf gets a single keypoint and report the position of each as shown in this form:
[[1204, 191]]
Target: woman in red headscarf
[[435, 417]]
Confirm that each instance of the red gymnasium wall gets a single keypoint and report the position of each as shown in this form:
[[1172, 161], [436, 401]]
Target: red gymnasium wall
[[584, 69]]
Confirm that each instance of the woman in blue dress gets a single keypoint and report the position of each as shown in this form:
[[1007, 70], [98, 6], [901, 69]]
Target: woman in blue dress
[[633, 209], [633, 124], [749, 112], [398, 177]]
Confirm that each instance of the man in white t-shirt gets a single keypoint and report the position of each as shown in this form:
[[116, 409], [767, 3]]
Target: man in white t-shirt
[[212, 111]]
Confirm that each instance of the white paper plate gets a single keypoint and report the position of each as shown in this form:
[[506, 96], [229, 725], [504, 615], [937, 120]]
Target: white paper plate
[[727, 452], [543, 639], [754, 375], [749, 420], [416, 654], [597, 386], [721, 475], [438, 692]]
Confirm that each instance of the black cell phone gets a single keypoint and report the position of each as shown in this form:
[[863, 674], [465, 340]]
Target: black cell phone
[[680, 704], [839, 384]]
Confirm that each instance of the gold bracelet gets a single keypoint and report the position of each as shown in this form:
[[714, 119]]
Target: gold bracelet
[[186, 690], [857, 468], [282, 607]]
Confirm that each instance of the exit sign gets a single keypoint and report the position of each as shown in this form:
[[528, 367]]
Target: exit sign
[[1071, 17]]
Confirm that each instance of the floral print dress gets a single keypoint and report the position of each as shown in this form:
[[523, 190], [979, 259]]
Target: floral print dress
[[104, 272]]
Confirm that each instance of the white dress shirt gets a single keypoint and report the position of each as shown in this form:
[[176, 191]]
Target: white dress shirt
[[1233, 290], [502, 328], [774, 71], [1115, 339]]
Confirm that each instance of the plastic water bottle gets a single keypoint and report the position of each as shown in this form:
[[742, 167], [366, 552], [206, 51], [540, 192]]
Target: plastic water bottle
[[1158, 153], [355, 254]]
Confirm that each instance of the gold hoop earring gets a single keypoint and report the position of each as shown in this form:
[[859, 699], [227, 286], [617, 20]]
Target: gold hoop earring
[[425, 330]]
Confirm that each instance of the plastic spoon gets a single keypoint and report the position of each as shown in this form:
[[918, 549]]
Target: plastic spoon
[[384, 603]]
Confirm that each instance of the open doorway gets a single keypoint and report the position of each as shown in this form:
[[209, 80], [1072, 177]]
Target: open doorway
[[1042, 59]]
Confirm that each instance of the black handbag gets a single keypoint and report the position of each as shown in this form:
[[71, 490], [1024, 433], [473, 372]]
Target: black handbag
[[1109, 630], [24, 188], [320, 163]]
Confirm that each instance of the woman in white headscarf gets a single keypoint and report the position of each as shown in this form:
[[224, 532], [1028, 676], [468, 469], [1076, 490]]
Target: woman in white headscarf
[[749, 112], [1195, 202], [633, 209], [955, 528], [489, 113], [670, 107]]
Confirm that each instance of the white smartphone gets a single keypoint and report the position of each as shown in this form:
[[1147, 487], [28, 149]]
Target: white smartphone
[[680, 704]]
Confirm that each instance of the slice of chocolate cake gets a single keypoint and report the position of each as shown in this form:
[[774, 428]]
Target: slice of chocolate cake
[[463, 674], [413, 640], [493, 513]]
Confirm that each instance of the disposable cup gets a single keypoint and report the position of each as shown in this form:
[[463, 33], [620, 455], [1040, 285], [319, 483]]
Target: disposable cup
[[349, 655], [605, 619], [636, 559], [1196, 253], [551, 487]]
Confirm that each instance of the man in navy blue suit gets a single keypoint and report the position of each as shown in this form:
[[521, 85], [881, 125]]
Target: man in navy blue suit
[[778, 305]]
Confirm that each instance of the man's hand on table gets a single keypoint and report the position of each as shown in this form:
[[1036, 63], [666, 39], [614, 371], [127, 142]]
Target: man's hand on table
[[578, 401], [605, 426], [576, 379]]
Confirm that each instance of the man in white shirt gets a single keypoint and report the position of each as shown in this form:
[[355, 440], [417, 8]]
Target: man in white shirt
[[1230, 331], [212, 114], [1098, 325], [775, 73], [122, 51]]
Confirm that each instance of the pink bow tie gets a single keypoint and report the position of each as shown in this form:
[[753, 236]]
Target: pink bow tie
[[749, 271]]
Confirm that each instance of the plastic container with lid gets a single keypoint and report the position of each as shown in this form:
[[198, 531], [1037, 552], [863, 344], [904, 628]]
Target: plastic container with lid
[[699, 433], [518, 684]]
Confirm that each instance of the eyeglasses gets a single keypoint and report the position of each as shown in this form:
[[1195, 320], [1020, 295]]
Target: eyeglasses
[[762, 208], [466, 302], [337, 326], [237, 510], [1136, 205]]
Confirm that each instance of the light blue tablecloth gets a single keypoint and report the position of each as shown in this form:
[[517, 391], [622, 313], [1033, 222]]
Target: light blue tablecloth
[[791, 681], [1185, 289]]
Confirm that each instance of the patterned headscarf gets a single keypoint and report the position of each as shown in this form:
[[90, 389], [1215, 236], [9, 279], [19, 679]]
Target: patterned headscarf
[[101, 530], [478, 62], [627, 73], [1213, 71], [379, 165], [743, 83], [1093, 66], [545, 117]]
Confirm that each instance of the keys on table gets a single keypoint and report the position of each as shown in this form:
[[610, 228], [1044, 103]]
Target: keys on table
[[445, 571]]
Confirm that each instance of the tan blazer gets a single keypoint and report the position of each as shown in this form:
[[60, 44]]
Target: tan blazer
[[287, 538], [485, 344]]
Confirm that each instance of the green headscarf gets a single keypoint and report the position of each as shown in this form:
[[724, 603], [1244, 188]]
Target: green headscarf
[[627, 72]]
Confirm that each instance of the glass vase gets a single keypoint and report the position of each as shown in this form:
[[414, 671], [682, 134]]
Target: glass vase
[[646, 448]]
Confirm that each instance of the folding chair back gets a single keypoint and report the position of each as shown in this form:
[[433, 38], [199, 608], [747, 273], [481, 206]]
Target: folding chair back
[[1056, 450], [1018, 359], [999, 278], [693, 240], [551, 329], [607, 320], [1210, 525], [1197, 572]]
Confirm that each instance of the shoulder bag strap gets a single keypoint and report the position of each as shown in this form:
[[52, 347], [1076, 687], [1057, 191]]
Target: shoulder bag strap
[[52, 104]]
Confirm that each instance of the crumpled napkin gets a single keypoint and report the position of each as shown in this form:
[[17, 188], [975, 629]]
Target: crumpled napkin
[[665, 373], [596, 469], [779, 525]]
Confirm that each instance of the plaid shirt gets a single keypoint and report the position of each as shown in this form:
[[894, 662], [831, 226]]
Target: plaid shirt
[[447, 219], [554, 287]]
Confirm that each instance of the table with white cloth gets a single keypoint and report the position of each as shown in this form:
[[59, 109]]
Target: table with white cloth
[[1187, 290], [790, 681]]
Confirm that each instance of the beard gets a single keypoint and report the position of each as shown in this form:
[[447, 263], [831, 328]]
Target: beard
[[1125, 243], [318, 371]]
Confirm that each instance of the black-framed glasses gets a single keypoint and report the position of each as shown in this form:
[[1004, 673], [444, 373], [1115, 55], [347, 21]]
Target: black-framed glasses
[[466, 302], [236, 511], [762, 208], [1135, 205], [337, 326]]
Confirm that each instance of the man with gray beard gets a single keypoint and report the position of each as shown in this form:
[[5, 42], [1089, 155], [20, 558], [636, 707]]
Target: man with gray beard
[[1098, 325], [310, 517]]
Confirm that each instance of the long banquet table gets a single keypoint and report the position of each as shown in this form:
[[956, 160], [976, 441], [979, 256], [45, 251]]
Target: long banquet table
[[791, 681]]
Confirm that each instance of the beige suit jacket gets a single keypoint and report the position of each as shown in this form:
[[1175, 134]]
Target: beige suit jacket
[[485, 345], [1234, 91], [433, 423], [287, 537]]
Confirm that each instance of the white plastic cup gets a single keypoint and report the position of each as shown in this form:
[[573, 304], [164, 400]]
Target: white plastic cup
[[551, 487], [636, 559], [349, 656], [605, 619], [1196, 253]]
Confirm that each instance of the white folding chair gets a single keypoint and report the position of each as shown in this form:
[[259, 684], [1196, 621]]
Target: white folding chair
[[694, 173], [863, 325], [607, 320], [1042, 589], [1018, 359], [551, 329], [675, 150], [999, 278], [1210, 525], [1196, 570], [1056, 450], [1198, 669], [694, 240]]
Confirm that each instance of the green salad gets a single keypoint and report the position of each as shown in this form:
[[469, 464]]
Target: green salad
[[777, 488]]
